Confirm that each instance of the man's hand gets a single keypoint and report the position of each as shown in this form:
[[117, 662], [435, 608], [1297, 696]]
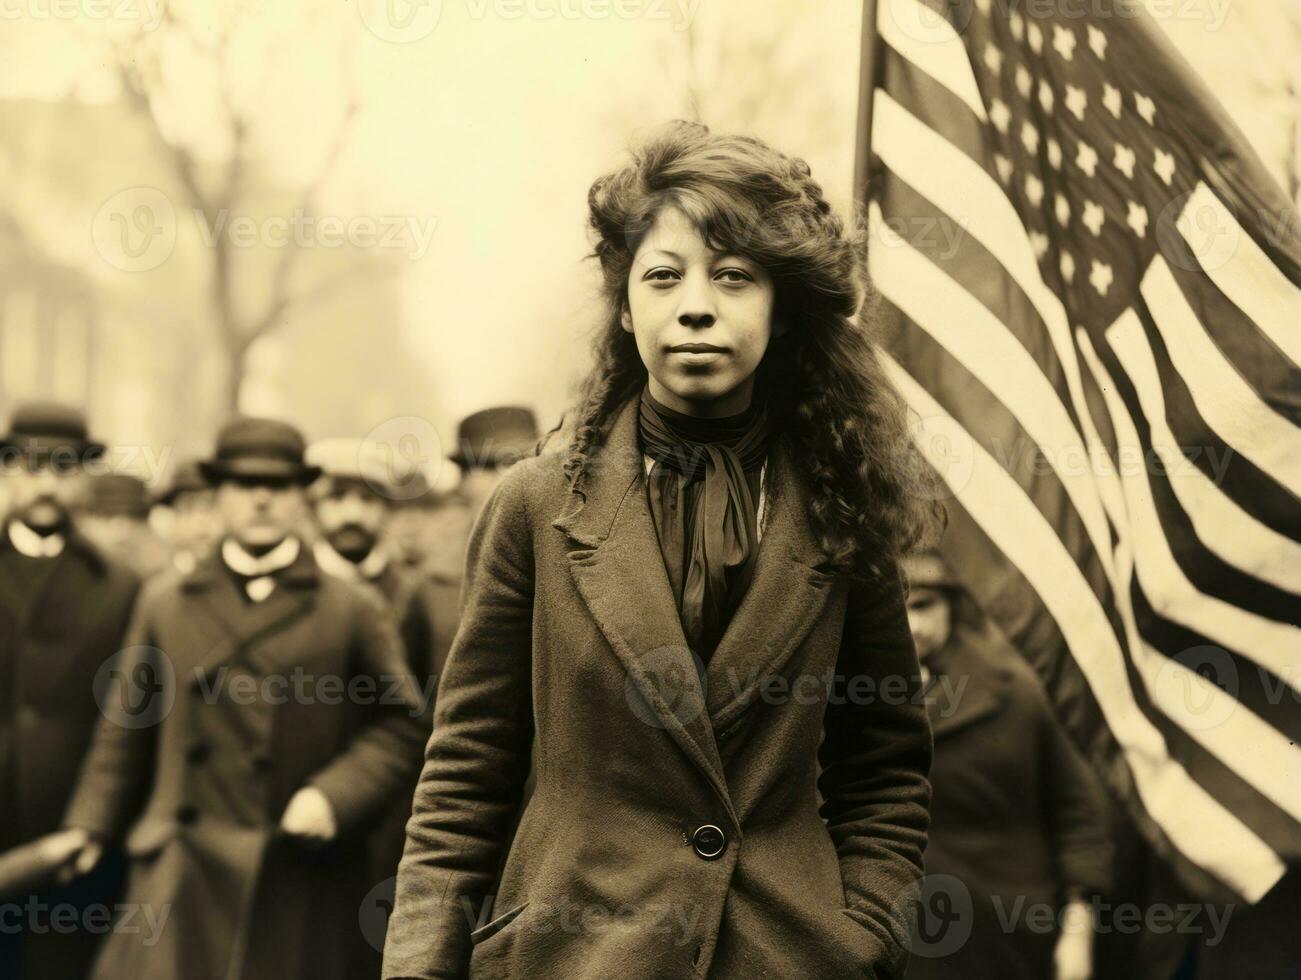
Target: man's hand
[[1073, 957], [74, 849], [309, 815]]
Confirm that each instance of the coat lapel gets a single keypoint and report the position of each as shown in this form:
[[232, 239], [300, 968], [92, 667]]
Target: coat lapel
[[240, 624], [619, 571]]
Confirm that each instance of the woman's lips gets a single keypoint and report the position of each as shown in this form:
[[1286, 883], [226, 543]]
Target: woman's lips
[[697, 355]]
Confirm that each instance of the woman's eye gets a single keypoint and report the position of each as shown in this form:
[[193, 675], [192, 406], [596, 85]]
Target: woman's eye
[[661, 275], [733, 276]]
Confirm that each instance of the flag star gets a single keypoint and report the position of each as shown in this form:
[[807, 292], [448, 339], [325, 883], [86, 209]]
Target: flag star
[[1054, 154], [1093, 217], [1000, 115], [1017, 24], [1100, 277], [1076, 100], [1164, 165], [993, 58], [1064, 41], [1004, 166], [1067, 264], [1111, 99], [1034, 190], [1063, 210], [1023, 81], [1124, 161], [1098, 42], [1030, 138], [1046, 96], [1039, 242], [1146, 107], [1087, 158], [1035, 37], [1137, 219]]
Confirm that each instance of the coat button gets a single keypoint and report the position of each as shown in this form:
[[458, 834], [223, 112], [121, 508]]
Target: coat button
[[197, 753], [709, 841], [187, 813]]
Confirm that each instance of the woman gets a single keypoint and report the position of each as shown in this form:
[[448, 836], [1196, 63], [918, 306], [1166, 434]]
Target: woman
[[625, 632], [1018, 838]]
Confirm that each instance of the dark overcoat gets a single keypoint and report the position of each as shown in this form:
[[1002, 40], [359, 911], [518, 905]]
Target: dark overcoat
[[571, 644], [307, 687], [1018, 818], [52, 646]]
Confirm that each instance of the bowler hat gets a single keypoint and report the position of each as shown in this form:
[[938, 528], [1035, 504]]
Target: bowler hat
[[186, 478], [118, 495], [259, 449], [50, 429], [495, 437]]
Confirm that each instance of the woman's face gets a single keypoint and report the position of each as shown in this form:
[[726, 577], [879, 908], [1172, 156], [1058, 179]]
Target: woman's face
[[702, 319]]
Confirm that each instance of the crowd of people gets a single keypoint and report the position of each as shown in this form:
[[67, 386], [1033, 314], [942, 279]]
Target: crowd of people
[[131, 619]]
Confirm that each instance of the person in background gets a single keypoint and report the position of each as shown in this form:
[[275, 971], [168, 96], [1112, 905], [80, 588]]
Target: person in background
[[64, 607], [353, 501], [409, 531], [487, 443], [1018, 818], [116, 517], [192, 523], [246, 790]]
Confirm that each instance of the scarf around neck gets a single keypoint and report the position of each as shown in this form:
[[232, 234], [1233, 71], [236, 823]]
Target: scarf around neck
[[702, 488]]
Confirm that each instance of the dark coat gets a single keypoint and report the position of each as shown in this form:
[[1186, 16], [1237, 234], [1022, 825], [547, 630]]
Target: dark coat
[[51, 649], [199, 795], [570, 644], [1017, 820]]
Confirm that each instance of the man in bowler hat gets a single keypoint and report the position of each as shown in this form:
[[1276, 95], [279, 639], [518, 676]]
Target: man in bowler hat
[[64, 607], [285, 724]]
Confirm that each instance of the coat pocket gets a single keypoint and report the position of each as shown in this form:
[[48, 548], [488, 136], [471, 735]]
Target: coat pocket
[[497, 924]]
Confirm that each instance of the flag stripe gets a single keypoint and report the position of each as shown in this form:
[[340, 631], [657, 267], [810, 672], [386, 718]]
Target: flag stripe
[[1222, 398], [931, 43], [981, 416], [1242, 271], [979, 341], [1221, 525], [1194, 821], [1258, 752]]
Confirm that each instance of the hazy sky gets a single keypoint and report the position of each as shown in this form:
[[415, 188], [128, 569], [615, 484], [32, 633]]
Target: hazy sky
[[483, 122]]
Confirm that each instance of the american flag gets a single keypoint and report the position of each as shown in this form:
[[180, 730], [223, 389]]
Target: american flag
[[1091, 287]]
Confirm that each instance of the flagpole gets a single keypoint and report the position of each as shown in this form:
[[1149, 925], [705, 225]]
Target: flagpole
[[866, 82]]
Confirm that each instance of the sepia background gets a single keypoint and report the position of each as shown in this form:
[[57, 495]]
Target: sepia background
[[346, 214]]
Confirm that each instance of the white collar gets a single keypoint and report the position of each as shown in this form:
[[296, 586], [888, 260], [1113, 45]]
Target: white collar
[[34, 545], [369, 568], [238, 560]]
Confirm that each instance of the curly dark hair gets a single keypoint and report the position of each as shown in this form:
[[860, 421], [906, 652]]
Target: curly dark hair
[[827, 392]]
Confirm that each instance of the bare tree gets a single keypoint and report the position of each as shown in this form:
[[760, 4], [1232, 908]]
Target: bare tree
[[216, 191]]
